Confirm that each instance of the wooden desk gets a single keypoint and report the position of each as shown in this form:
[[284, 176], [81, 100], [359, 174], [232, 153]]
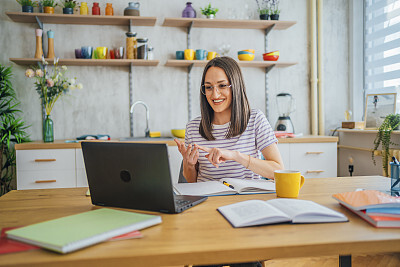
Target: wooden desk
[[201, 235]]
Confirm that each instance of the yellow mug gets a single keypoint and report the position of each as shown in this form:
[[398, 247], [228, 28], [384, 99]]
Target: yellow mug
[[101, 52], [212, 55], [288, 183], [189, 54]]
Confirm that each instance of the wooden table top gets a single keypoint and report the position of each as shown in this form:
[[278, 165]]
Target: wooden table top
[[200, 235]]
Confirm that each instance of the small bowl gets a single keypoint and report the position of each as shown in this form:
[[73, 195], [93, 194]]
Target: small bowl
[[246, 57], [180, 133], [250, 50], [270, 58], [245, 53], [273, 53]]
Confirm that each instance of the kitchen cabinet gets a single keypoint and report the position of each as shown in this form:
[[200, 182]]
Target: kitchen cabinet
[[314, 157], [264, 25]]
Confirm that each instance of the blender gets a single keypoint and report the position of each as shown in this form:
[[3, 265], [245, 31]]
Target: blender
[[285, 105]]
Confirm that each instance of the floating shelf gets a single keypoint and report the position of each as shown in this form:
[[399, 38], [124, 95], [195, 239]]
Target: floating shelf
[[89, 62], [246, 64], [81, 19], [227, 23]]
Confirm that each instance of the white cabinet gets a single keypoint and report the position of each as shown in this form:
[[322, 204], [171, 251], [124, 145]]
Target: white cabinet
[[313, 160]]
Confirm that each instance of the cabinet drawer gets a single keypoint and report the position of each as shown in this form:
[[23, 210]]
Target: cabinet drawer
[[314, 159], [45, 159], [45, 179]]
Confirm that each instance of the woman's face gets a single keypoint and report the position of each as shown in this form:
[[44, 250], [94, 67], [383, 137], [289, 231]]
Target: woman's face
[[218, 91]]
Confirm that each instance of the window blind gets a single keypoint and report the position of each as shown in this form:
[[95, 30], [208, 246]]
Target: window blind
[[382, 45]]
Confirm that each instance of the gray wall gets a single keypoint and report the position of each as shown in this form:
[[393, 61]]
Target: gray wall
[[102, 107]]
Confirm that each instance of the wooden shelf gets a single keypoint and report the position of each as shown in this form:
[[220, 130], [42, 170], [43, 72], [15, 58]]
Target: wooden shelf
[[245, 64], [81, 19], [227, 23], [89, 62]]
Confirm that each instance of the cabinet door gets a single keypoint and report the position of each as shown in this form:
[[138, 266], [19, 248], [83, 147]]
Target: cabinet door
[[81, 178], [314, 159], [284, 149]]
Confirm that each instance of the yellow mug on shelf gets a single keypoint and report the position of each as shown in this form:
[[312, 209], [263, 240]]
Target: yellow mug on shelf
[[212, 55], [101, 52], [288, 183], [189, 54]]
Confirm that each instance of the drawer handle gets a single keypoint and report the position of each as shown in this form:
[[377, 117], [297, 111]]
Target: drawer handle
[[45, 181], [316, 152], [44, 160], [314, 171]]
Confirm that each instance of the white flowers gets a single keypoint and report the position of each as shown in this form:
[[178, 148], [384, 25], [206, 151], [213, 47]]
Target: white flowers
[[39, 73], [79, 86], [29, 73], [50, 82], [64, 67]]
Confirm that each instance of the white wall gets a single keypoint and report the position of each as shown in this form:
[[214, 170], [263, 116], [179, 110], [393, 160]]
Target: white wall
[[103, 105]]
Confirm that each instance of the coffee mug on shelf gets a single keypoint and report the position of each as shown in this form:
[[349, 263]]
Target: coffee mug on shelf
[[212, 55], [78, 53], [288, 183], [201, 54], [189, 54], [180, 55], [86, 52], [119, 52]]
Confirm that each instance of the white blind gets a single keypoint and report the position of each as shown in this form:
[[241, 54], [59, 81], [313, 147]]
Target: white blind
[[382, 44]]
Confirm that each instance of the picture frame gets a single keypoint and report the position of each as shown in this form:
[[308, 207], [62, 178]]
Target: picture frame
[[377, 107]]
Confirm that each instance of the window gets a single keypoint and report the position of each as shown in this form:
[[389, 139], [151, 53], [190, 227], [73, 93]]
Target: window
[[382, 45]]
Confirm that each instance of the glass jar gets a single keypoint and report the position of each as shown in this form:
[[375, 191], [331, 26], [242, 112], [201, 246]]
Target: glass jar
[[84, 9], [142, 48], [150, 53], [109, 9], [131, 45]]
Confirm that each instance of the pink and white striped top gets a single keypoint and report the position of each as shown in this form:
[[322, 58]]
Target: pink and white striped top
[[257, 136]]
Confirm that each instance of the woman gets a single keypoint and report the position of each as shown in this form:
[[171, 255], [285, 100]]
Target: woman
[[229, 137]]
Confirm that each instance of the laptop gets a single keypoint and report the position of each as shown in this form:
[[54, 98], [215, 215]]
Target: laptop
[[133, 176]]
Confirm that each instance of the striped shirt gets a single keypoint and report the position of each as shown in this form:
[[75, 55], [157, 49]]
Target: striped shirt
[[257, 136]]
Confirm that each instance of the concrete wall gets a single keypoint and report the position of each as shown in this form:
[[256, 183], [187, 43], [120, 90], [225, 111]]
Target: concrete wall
[[102, 107]]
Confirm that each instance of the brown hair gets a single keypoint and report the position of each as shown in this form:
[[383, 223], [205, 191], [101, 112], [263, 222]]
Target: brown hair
[[240, 114]]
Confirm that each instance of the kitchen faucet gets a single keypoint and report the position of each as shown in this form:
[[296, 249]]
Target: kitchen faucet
[[147, 131]]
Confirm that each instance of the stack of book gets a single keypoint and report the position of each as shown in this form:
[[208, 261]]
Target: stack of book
[[377, 208]]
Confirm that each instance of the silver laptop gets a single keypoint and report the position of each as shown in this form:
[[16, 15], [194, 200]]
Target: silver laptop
[[134, 176]]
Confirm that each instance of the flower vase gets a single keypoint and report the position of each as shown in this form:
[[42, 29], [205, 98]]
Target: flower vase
[[48, 133]]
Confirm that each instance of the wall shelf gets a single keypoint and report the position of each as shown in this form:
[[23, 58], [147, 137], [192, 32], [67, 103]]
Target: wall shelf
[[81, 19], [245, 64], [227, 23], [89, 62]]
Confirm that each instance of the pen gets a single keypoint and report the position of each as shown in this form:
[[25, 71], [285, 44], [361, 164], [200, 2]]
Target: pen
[[225, 183]]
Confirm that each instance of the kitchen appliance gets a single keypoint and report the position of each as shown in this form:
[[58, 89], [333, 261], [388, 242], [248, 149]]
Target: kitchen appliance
[[285, 103]]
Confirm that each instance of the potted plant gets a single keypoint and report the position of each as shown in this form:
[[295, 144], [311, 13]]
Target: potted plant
[[68, 6], [48, 6], [12, 129], [274, 10], [27, 5], [391, 122], [263, 9], [209, 11]]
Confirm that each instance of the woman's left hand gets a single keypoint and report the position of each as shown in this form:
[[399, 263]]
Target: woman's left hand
[[217, 155]]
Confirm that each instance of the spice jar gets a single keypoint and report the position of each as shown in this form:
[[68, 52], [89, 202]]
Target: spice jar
[[95, 9], [131, 45], [142, 48], [109, 10], [150, 54], [84, 9]]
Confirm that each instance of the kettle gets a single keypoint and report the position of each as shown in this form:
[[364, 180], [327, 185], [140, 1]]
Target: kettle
[[132, 9]]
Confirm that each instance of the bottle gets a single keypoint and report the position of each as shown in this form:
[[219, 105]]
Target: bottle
[[39, 48], [131, 44], [189, 11], [132, 9], [95, 9], [150, 53], [109, 10], [142, 49], [84, 9], [50, 47]]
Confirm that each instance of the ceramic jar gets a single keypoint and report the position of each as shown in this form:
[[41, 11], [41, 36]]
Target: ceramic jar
[[189, 11], [95, 9], [49, 9], [28, 9], [68, 10], [132, 9], [84, 9], [109, 10]]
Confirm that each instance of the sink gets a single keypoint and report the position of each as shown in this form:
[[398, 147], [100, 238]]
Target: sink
[[146, 139]]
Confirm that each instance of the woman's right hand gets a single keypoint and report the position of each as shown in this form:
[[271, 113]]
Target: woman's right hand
[[190, 153]]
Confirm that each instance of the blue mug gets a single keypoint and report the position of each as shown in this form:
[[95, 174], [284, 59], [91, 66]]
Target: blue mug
[[86, 52], [180, 55], [201, 54]]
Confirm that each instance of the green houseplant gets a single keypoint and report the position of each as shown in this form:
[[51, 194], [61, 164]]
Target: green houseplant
[[12, 129], [209, 11], [391, 122], [27, 5], [274, 11], [263, 9], [48, 6], [68, 6]]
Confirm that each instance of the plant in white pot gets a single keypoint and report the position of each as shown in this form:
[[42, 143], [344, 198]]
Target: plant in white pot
[[209, 11]]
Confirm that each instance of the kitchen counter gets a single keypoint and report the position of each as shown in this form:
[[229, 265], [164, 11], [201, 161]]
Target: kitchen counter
[[64, 144]]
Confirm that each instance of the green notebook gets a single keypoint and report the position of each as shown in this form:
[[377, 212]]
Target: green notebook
[[77, 231]]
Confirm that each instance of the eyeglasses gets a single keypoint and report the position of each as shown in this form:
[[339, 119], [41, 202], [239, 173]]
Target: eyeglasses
[[208, 89]]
